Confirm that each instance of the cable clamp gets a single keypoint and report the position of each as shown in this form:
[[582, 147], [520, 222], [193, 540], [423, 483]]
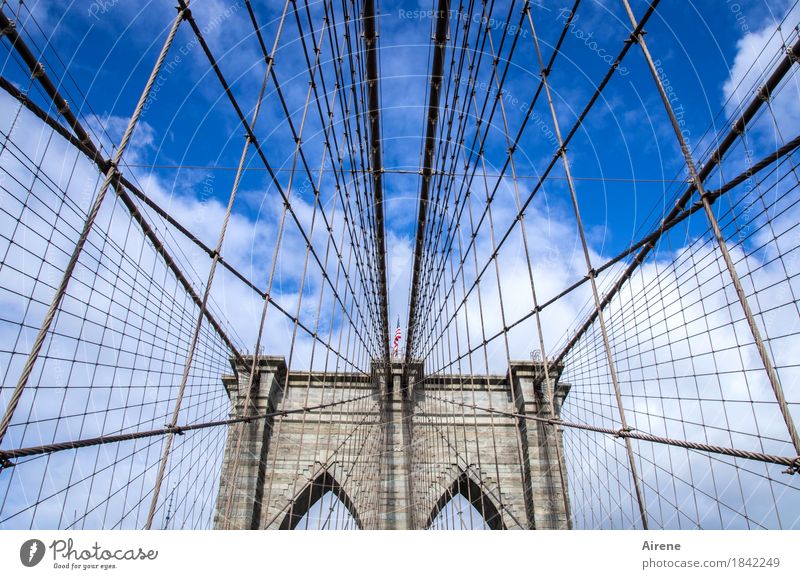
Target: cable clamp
[[112, 166], [795, 468], [763, 94], [710, 195], [623, 431], [174, 429], [37, 71], [6, 463], [10, 28]]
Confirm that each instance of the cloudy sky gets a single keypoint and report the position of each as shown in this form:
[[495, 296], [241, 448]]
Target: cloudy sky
[[109, 48], [711, 56]]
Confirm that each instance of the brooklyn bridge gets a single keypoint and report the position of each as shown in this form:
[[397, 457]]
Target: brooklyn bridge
[[584, 215]]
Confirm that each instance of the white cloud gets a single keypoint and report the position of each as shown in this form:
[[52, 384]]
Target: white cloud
[[678, 362], [756, 54]]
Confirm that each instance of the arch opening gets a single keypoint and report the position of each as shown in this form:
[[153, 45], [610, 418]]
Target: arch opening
[[458, 514], [328, 513], [464, 506], [322, 505]]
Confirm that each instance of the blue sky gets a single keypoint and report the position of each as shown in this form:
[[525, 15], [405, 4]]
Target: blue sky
[[711, 55], [109, 52]]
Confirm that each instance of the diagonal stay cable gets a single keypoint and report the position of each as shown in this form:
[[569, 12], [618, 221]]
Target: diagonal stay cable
[[510, 151], [126, 186], [556, 155], [6, 456], [711, 195], [260, 152], [714, 160], [108, 180], [793, 463]]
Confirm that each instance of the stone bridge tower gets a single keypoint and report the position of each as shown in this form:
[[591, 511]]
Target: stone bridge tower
[[384, 445]]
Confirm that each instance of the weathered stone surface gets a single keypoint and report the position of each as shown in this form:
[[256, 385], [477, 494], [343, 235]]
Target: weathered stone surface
[[398, 453]]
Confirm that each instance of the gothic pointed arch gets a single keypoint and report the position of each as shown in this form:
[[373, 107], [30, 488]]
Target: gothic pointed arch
[[314, 491], [465, 486]]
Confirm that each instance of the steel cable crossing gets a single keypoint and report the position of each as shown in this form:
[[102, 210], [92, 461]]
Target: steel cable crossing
[[426, 313], [620, 366], [378, 336]]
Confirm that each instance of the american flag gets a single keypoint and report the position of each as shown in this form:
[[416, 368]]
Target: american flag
[[397, 335]]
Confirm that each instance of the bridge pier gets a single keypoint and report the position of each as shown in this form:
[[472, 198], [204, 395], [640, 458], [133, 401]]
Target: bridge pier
[[386, 451], [395, 465]]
